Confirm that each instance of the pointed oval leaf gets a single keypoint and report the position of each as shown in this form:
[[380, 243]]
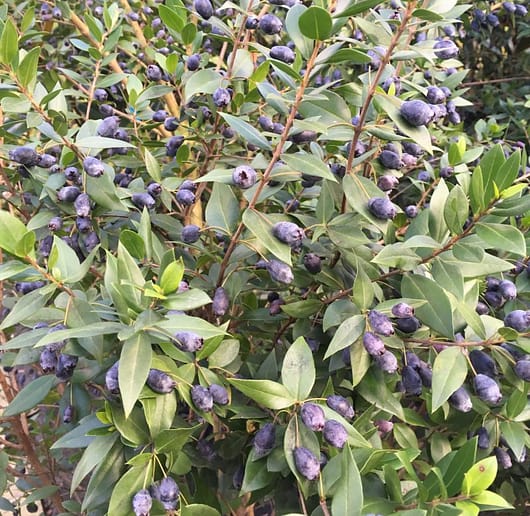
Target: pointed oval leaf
[[448, 374], [298, 370], [265, 392], [480, 476], [315, 23], [348, 498], [347, 333], [32, 394], [246, 131]]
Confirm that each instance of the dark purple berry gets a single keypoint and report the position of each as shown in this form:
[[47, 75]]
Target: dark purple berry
[[304, 137], [153, 72], [251, 23], [270, 24], [111, 379], [288, 233], [313, 416], [380, 323], [190, 233], [68, 414], [160, 382], [522, 369], [266, 123], [445, 49], [435, 95], [65, 366], [508, 289], [408, 324], [387, 182], [202, 398], [55, 224], [82, 205], [169, 492], [387, 362], [306, 463], [100, 95], [142, 503], [483, 363], [483, 438], [171, 123], [402, 310], [411, 211], [280, 271], [335, 433], [68, 193], [382, 208], [48, 359], [93, 166], [503, 457], [460, 400], [425, 372], [519, 320], [188, 341], [204, 8], [220, 302], [373, 344], [313, 263], [193, 62], [244, 176], [185, 197], [411, 381], [143, 200], [416, 112], [108, 126], [154, 190], [487, 389], [340, 405], [390, 159], [219, 394], [282, 53], [159, 116], [25, 156], [264, 440], [221, 97]]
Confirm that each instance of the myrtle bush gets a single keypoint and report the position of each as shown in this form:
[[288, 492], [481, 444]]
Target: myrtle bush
[[254, 261]]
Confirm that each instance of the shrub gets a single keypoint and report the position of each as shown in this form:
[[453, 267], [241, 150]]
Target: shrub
[[252, 259]]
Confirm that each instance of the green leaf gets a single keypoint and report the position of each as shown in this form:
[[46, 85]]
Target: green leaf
[[134, 243], [159, 412], [348, 497], [425, 14], [172, 276], [246, 131], [89, 330], [349, 55], [490, 164], [347, 333], [135, 362], [490, 501], [32, 394], [265, 392], [437, 312], [9, 43], [132, 429], [95, 452], [515, 435], [315, 23], [11, 231], [480, 476], [187, 300], [175, 323], [507, 173], [305, 45], [256, 475], [468, 508], [302, 309], [63, 261], [152, 166], [173, 439], [298, 369], [28, 305], [27, 70], [308, 164], [357, 8], [198, 509], [104, 478], [96, 143], [456, 209], [127, 486], [222, 210], [444, 384], [202, 81], [173, 17], [502, 236], [261, 227], [374, 390]]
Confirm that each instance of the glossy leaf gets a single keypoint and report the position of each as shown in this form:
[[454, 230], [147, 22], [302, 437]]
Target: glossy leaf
[[502, 236], [443, 384], [347, 333], [246, 131], [480, 476], [31, 395], [315, 23], [265, 392], [298, 369]]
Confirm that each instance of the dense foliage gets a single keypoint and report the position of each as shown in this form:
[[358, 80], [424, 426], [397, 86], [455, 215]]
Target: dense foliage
[[264, 257]]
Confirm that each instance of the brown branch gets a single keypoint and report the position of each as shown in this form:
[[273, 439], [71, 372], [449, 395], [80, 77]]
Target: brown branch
[[275, 157]]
